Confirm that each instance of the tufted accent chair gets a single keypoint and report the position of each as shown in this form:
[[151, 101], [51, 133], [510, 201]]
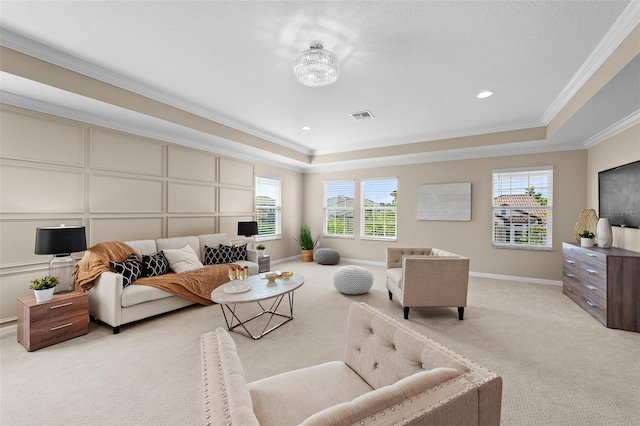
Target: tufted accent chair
[[422, 277], [390, 374]]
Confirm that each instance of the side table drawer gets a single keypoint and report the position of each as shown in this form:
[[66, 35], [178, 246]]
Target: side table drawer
[[44, 314], [49, 334]]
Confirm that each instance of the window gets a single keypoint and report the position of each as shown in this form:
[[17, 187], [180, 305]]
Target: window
[[338, 208], [268, 206], [523, 208], [378, 208]]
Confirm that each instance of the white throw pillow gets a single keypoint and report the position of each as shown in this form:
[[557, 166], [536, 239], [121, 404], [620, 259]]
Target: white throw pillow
[[183, 260]]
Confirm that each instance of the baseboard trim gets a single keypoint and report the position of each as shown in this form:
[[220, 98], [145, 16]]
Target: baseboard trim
[[515, 278]]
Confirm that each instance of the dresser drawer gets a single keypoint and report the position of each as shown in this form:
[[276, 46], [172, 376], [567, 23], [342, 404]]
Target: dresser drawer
[[591, 303]]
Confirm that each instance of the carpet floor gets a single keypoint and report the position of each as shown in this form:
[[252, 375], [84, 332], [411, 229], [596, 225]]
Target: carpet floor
[[559, 365]]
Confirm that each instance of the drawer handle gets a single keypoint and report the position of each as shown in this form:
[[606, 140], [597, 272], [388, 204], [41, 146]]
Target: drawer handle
[[570, 262], [61, 326], [592, 287], [569, 289], [591, 255], [590, 303], [571, 275], [592, 271], [61, 306]]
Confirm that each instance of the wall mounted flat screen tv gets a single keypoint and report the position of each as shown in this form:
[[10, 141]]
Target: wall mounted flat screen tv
[[619, 195]]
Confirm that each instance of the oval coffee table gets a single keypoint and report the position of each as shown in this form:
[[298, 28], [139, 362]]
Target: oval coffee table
[[260, 291]]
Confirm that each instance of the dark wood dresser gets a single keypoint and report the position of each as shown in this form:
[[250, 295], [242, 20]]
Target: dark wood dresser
[[605, 283], [43, 324]]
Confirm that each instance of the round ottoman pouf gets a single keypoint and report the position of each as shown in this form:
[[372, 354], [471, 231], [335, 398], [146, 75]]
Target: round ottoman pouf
[[352, 279], [326, 256]]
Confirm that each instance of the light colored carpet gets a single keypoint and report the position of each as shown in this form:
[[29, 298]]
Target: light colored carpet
[[559, 365]]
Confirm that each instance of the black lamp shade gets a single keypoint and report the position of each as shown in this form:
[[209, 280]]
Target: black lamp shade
[[60, 240], [248, 229]]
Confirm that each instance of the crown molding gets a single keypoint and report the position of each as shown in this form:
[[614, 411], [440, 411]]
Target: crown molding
[[57, 57], [628, 20], [435, 137], [622, 125]]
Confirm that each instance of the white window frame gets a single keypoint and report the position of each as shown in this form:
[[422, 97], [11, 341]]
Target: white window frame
[[364, 210], [512, 182], [328, 211], [261, 189]]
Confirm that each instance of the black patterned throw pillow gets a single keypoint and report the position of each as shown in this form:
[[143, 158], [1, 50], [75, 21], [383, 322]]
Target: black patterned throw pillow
[[213, 256], [130, 268], [154, 265], [239, 252], [226, 253]]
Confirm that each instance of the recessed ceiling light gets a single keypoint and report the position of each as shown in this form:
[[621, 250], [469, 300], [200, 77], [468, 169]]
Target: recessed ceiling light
[[484, 94], [306, 128]]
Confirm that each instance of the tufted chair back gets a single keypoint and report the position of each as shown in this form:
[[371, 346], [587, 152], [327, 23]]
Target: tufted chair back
[[383, 351]]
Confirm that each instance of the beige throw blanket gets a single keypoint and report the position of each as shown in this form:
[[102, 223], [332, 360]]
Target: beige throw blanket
[[194, 285]]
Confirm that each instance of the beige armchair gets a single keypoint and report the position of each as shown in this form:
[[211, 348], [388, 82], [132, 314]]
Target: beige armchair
[[389, 374], [421, 277]]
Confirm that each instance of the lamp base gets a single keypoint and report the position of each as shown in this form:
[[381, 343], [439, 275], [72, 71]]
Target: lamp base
[[61, 266]]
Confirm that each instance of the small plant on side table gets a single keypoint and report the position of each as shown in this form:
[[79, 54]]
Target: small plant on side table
[[43, 287]]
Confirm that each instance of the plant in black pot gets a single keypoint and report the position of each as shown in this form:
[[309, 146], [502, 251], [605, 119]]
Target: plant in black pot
[[307, 243]]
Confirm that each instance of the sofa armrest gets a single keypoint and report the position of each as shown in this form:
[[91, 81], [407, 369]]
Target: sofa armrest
[[252, 255], [105, 298], [226, 395], [408, 398]]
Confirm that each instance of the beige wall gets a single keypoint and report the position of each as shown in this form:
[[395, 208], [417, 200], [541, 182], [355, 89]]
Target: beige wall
[[621, 149], [473, 238], [119, 186]]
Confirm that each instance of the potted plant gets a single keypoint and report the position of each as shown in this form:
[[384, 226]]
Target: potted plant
[[43, 287], [261, 248], [307, 243], [586, 238]]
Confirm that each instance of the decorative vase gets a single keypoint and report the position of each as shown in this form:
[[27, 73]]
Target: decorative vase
[[307, 255], [604, 234], [44, 295], [586, 242], [587, 220]]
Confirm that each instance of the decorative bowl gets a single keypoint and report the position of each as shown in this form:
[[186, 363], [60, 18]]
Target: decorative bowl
[[287, 274], [271, 276]]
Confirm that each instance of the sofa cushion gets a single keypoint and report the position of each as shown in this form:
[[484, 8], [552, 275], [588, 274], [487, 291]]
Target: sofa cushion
[[225, 253], [147, 247], [304, 392], [183, 259], [137, 294], [154, 265], [214, 256], [395, 276], [130, 268]]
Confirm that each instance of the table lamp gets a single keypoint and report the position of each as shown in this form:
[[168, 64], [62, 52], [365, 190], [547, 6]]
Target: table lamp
[[248, 229], [61, 242]]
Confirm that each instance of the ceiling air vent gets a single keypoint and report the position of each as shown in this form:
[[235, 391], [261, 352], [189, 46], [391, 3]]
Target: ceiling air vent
[[362, 115]]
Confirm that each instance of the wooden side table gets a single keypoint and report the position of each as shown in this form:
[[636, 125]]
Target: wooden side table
[[43, 324], [264, 263]]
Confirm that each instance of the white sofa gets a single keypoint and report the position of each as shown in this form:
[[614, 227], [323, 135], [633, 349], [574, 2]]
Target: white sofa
[[115, 306]]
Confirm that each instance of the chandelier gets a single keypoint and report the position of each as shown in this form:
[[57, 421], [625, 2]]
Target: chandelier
[[316, 67]]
